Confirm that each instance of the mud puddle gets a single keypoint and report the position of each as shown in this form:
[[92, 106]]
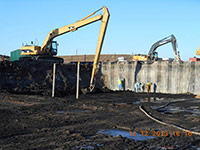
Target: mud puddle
[[155, 100], [160, 100], [194, 110], [134, 136]]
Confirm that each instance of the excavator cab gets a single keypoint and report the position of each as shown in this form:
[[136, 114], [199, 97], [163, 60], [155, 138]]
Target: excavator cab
[[52, 47], [155, 56]]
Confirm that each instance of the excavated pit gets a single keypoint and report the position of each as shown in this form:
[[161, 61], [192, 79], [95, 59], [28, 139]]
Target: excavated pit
[[31, 119], [36, 77]]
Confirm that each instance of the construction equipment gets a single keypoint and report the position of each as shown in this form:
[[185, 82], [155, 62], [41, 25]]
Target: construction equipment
[[194, 58], [49, 47], [153, 55], [140, 57], [198, 51]]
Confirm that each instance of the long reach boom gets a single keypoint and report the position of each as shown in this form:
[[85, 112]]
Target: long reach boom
[[49, 47]]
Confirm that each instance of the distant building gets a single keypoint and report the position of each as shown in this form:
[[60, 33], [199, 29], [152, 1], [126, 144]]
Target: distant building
[[90, 58]]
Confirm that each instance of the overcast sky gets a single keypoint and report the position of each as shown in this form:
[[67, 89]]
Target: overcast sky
[[133, 27]]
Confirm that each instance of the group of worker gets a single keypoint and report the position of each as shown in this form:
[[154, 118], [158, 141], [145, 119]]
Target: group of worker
[[138, 86]]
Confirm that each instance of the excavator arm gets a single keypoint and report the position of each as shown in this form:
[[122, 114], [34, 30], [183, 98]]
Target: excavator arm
[[164, 41], [104, 23], [73, 27]]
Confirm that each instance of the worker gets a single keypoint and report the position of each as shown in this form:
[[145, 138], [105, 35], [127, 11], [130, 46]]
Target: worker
[[142, 85], [147, 99], [155, 56], [119, 83], [137, 86], [123, 83], [148, 87]]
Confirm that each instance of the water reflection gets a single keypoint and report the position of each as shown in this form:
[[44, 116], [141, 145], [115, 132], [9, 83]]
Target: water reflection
[[116, 132]]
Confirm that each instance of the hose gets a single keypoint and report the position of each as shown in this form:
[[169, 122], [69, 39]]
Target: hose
[[167, 124]]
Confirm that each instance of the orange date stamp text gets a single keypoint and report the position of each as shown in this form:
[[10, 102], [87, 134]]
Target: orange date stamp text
[[161, 133]]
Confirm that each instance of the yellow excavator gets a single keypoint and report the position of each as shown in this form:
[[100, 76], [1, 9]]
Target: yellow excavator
[[198, 51], [48, 50]]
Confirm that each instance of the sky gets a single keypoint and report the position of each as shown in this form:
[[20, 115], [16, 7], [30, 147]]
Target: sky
[[134, 25]]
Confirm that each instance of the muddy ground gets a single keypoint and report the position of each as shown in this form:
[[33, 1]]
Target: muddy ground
[[41, 122]]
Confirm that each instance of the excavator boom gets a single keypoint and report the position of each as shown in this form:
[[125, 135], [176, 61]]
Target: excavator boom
[[104, 23], [70, 28]]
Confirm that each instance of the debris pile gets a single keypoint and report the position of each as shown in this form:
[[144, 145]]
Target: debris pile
[[4, 58]]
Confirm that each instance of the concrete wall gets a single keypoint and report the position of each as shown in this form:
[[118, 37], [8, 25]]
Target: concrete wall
[[168, 77]]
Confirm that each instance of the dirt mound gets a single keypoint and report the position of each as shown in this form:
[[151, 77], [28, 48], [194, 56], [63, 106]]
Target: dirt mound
[[4, 58], [36, 77]]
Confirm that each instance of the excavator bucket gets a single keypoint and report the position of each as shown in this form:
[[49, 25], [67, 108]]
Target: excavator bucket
[[85, 91]]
